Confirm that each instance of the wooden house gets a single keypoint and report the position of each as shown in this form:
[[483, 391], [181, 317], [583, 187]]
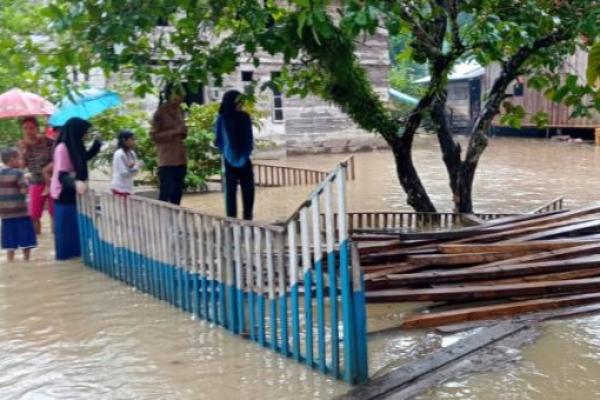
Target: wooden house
[[464, 94], [310, 125], [533, 101]]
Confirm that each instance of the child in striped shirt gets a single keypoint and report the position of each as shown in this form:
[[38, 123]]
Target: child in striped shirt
[[17, 227]]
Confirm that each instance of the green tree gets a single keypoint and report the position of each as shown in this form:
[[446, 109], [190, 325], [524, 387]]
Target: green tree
[[316, 40], [20, 24]]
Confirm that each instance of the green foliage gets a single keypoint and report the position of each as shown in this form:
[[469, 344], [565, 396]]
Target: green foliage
[[18, 21], [203, 159], [402, 77], [593, 70], [10, 133]]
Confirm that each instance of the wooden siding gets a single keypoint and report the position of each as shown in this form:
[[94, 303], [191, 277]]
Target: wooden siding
[[534, 101]]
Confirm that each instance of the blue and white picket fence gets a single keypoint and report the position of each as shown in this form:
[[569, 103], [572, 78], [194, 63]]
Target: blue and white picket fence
[[296, 289]]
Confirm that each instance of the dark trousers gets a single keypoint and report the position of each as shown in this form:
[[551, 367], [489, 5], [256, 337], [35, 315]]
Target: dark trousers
[[171, 183], [245, 177]]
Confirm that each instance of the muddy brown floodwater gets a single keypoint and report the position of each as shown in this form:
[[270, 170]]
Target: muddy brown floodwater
[[68, 332]]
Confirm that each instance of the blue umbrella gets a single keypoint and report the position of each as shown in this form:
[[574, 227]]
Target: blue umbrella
[[84, 104]]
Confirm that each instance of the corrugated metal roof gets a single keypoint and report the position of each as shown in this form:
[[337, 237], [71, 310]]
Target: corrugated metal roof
[[462, 71]]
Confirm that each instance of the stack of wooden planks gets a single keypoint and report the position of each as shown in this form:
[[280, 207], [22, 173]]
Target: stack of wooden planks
[[499, 268]]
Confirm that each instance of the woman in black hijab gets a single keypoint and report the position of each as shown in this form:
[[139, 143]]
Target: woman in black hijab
[[69, 178], [235, 141]]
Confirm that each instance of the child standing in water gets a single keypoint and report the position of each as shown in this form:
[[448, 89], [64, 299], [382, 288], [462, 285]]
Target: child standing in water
[[17, 227], [125, 165]]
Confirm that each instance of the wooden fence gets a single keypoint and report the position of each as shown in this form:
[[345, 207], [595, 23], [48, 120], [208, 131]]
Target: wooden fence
[[268, 283], [553, 205], [408, 220], [276, 176]]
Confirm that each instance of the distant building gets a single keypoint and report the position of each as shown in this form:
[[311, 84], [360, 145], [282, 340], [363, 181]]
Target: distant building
[[464, 95], [311, 125], [560, 121]]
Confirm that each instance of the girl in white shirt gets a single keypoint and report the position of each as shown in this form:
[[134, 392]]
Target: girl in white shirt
[[125, 165]]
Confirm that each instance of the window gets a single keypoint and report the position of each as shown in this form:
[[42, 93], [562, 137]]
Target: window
[[247, 82], [247, 76], [518, 87], [458, 93], [162, 21], [277, 113]]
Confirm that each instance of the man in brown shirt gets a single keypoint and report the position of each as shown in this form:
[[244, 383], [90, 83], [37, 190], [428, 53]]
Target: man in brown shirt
[[168, 133]]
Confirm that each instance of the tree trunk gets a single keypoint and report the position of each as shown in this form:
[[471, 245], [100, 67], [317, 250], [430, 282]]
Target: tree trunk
[[451, 150], [416, 195]]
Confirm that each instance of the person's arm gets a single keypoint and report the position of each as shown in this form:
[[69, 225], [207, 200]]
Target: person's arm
[[219, 134], [61, 164], [94, 150], [22, 182], [121, 167], [250, 134]]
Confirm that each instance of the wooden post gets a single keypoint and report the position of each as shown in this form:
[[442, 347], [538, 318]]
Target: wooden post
[[293, 273], [307, 275]]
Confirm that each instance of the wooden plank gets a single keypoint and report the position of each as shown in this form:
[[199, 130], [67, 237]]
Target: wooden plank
[[397, 379], [496, 311], [592, 248], [505, 234], [554, 276], [385, 271], [569, 312], [462, 259], [396, 255], [576, 227], [485, 292], [541, 245], [472, 219], [467, 274], [382, 246]]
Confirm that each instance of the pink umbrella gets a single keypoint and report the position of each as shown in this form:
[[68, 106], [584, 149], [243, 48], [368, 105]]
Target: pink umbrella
[[16, 103]]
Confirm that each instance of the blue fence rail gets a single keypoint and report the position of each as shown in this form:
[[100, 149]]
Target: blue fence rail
[[296, 289]]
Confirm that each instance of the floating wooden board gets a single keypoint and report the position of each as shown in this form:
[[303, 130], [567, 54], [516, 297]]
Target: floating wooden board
[[569, 312], [399, 378], [496, 311], [472, 293]]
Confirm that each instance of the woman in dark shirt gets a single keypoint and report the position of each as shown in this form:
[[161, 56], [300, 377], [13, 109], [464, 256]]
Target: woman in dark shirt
[[69, 179], [235, 141]]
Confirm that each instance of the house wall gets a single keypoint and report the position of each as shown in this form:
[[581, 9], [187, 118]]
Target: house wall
[[311, 125], [534, 101]]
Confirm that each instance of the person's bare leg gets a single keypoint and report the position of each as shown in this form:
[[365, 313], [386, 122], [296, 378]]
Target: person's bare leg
[[37, 226], [26, 254], [10, 254]]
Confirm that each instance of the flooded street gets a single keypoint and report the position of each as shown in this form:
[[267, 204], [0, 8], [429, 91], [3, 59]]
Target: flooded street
[[68, 332]]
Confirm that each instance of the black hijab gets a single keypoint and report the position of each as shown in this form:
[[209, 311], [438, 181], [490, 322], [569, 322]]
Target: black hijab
[[71, 134], [237, 122]]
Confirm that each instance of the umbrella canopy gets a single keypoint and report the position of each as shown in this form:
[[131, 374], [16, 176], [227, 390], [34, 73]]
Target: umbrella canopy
[[84, 104], [16, 103]]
